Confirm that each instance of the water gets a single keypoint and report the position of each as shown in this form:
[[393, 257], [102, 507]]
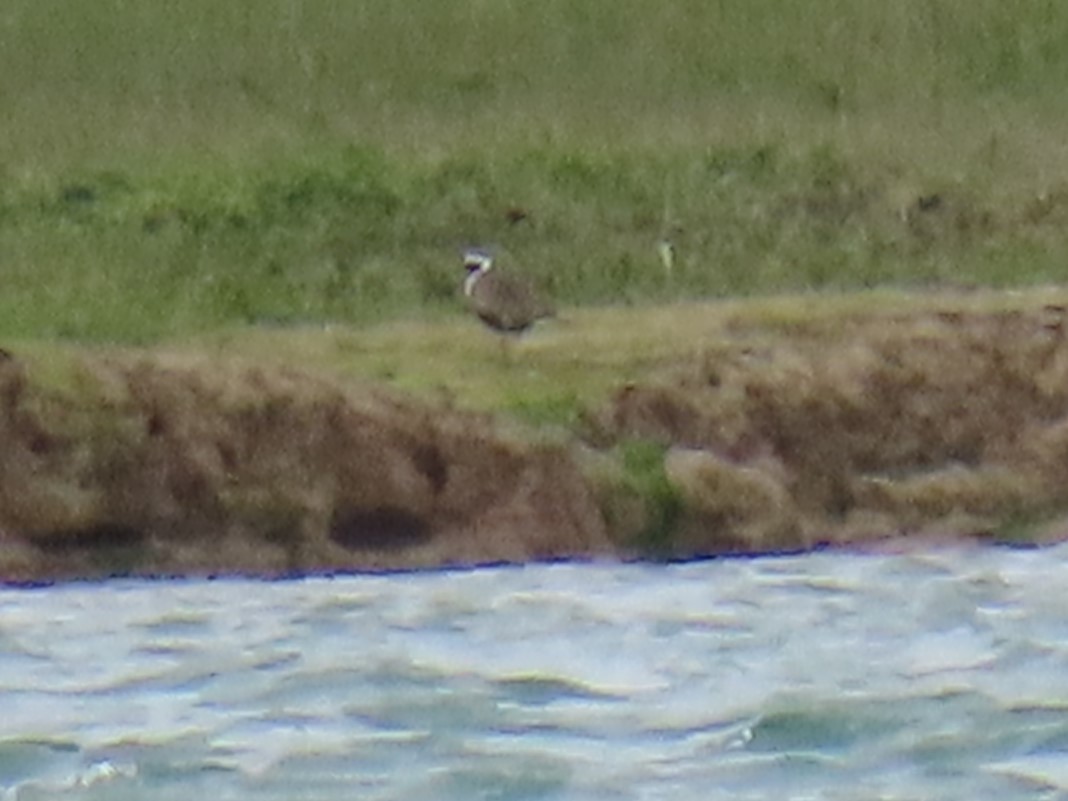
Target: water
[[824, 676]]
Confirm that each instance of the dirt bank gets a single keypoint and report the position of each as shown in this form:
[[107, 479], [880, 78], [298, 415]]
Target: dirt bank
[[941, 423], [762, 434], [154, 464]]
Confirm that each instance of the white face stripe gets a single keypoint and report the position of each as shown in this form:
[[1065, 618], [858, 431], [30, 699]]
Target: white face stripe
[[471, 280], [478, 259]]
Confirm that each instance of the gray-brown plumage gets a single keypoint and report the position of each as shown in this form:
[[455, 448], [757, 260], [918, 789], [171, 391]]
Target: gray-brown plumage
[[506, 303]]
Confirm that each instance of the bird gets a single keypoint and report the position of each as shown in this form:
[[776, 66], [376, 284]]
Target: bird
[[506, 303]]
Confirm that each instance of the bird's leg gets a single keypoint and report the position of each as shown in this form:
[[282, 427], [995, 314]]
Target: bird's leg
[[506, 348]]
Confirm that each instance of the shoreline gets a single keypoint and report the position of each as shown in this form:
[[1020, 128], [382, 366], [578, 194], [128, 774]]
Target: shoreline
[[662, 433]]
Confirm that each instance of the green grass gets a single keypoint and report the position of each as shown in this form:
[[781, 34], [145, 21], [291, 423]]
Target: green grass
[[171, 169], [643, 468]]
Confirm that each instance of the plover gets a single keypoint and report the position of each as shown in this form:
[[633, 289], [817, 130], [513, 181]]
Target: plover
[[507, 303]]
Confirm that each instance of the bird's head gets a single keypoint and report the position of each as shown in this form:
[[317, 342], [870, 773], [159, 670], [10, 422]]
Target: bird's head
[[477, 260]]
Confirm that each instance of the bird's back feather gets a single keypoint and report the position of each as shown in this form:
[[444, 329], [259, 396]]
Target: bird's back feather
[[507, 302]]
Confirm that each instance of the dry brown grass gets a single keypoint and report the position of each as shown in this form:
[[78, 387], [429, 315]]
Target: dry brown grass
[[876, 426], [675, 431], [163, 463]]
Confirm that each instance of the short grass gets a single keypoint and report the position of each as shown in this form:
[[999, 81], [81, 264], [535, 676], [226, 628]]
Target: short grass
[[168, 169], [798, 371], [564, 368]]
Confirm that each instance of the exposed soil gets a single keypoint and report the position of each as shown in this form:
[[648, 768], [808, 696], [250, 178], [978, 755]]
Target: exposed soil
[[172, 466], [930, 424], [859, 430]]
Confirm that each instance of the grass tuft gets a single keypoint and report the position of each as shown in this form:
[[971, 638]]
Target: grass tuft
[[643, 469]]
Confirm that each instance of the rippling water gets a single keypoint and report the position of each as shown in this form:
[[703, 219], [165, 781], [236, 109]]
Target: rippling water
[[838, 676]]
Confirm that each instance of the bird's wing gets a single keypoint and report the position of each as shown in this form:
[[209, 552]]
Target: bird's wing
[[525, 298]]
